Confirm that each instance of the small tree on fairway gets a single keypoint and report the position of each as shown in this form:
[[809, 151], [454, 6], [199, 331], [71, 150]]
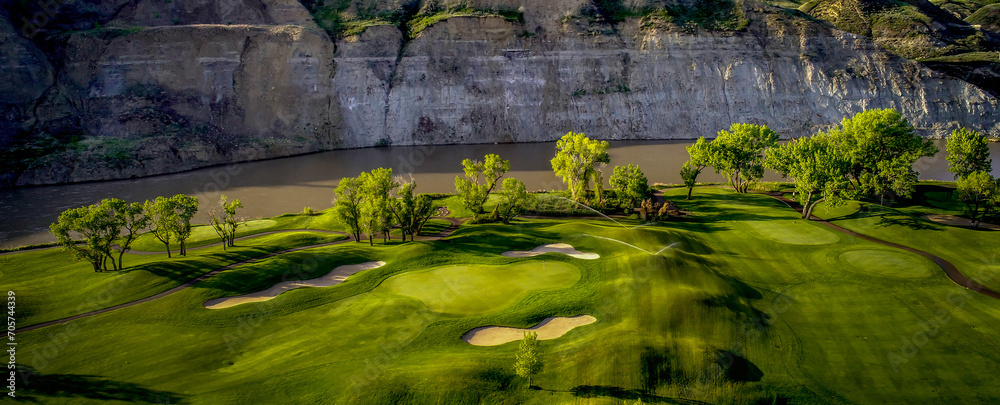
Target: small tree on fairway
[[739, 153], [347, 205], [131, 219], [163, 220], [224, 220], [631, 185], [185, 207], [479, 181], [578, 161], [375, 209], [514, 198], [968, 152], [700, 155], [980, 192], [528, 362]]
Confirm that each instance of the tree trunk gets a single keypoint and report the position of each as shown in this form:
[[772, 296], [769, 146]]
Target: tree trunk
[[168, 249], [121, 261], [370, 241], [690, 189]]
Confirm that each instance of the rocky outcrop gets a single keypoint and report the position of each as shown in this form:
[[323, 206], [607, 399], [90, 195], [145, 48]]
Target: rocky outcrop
[[188, 89]]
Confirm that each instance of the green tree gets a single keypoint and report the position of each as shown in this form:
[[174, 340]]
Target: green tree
[[347, 205], [412, 211], [185, 207], [881, 147], [968, 152], [818, 168], [131, 218], [631, 185], [225, 221], [163, 219], [375, 209], [699, 157], [514, 197], [99, 227], [980, 192], [528, 362], [578, 161], [481, 177], [738, 153]]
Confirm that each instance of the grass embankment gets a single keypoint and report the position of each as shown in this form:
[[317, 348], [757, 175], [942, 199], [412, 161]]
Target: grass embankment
[[51, 285], [750, 304], [202, 235]]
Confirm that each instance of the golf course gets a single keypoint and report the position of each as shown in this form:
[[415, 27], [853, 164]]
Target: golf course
[[742, 301]]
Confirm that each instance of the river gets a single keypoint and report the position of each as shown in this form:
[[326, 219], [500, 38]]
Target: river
[[274, 187]]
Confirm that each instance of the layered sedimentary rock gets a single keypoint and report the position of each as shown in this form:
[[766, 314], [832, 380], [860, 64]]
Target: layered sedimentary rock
[[189, 89]]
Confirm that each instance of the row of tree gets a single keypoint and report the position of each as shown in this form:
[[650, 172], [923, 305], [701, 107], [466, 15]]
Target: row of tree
[[366, 205], [868, 155], [579, 161], [101, 233]]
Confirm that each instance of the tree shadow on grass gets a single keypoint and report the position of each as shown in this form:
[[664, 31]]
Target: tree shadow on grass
[[911, 222], [34, 387], [594, 391]]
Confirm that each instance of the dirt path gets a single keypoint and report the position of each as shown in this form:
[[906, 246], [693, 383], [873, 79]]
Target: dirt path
[[949, 269], [454, 224]]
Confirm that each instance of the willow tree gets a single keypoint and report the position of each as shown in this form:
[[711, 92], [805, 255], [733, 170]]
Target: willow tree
[[578, 162]]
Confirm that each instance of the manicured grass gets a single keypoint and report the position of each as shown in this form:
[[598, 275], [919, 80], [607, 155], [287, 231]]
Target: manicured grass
[[202, 235], [728, 311], [468, 290], [51, 285]]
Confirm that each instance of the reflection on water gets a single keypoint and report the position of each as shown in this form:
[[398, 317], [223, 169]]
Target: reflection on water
[[274, 187]]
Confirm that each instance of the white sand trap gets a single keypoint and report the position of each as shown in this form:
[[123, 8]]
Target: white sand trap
[[337, 276], [563, 248], [958, 221], [548, 329]]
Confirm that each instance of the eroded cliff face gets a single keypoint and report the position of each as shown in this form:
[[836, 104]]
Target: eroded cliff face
[[184, 92]]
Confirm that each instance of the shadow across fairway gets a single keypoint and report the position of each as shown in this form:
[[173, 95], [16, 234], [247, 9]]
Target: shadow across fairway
[[594, 391], [34, 387], [738, 368]]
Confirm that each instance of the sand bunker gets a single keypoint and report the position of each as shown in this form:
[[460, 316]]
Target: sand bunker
[[548, 329], [958, 221], [563, 248], [337, 276]]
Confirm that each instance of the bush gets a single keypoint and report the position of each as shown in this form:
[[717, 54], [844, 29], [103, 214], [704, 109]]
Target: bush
[[308, 211]]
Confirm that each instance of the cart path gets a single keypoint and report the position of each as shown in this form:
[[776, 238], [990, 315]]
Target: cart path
[[454, 225], [949, 269]]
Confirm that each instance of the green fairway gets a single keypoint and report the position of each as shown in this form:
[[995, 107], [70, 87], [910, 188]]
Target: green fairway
[[740, 302], [467, 290], [202, 235], [889, 263]]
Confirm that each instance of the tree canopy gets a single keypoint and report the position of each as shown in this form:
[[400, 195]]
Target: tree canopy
[[881, 147], [100, 228], [968, 152], [578, 162], [979, 192], [481, 178], [514, 197], [630, 184], [738, 153], [818, 168], [347, 205]]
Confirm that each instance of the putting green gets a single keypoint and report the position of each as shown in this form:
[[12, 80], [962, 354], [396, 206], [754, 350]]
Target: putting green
[[888, 263], [793, 232], [477, 289]]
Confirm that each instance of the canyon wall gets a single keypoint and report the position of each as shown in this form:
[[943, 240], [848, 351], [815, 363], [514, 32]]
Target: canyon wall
[[191, 89]]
